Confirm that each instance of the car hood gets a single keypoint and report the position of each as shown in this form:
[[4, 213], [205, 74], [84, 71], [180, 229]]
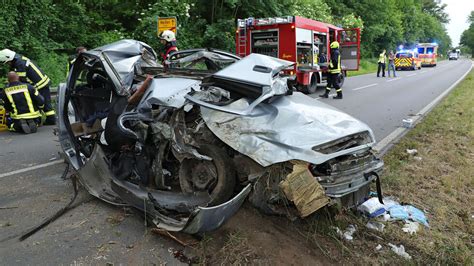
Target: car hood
[[289, 128]]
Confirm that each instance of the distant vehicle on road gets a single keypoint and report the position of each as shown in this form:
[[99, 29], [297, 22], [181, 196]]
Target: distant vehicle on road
[[428, 52], [300, 40], [453, 56], [407, 59]]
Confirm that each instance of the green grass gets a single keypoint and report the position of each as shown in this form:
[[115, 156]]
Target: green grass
[[441, 184], [366, 66]]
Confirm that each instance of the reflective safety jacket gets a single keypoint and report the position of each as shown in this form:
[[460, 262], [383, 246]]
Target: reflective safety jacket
[[382, 58], [29, 72], [335, 62], [22, 100]]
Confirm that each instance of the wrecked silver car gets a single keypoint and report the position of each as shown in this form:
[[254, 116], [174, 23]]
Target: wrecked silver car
[[188, 142]]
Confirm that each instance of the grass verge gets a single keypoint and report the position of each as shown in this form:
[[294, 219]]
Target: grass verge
[[440, 181], [366, 66]]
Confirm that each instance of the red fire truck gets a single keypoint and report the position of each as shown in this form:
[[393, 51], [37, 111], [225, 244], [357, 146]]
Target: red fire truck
[[301, 40]]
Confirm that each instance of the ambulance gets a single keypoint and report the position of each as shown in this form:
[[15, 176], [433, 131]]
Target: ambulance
[[428, 53], [407, 59]]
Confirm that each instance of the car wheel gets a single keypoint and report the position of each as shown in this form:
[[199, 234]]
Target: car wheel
[[217, 177]]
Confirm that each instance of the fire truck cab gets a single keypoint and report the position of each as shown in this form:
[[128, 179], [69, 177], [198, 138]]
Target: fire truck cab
[[428, 53], [303, 41]]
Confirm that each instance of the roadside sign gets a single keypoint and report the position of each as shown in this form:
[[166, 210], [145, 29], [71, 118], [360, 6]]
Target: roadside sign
[[166, 23]]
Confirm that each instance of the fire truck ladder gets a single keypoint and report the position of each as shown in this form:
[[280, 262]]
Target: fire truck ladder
[[242, 38]]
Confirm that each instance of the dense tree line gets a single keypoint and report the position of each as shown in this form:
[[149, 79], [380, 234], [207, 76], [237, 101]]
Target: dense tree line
[[467, 37], [49, 30]]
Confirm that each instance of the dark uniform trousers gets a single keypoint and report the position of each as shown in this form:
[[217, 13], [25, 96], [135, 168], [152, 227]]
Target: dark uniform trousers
[[23, 102]]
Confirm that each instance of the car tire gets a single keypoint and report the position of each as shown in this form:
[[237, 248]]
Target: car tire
[[225, 173]]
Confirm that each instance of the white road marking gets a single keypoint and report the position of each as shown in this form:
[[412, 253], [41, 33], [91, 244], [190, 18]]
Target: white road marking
[[424, 71], [381, 146], [390, 80], [31, 168], [363, 87], [411, 75]]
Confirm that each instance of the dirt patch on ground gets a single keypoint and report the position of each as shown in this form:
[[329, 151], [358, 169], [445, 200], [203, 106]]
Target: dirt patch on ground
[[253, 238]]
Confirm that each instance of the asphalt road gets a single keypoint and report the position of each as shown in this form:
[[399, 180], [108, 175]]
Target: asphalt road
[[97, 233], [383, 103]]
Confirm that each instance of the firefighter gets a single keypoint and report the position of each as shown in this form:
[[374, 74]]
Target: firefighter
[[29, 72], [381, 62], [23, 103], [334, 71], [168, 39]]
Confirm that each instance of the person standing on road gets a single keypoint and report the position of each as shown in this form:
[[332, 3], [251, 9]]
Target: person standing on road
[[22, 102], [391, 64], [168, 39], [29, 72], [334, 72], [382, 60]]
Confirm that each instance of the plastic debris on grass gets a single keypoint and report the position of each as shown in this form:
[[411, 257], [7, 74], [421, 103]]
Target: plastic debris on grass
[[411, 227], [391, 210], [400, 251], [377, 226], [347, 234], [407, 123]]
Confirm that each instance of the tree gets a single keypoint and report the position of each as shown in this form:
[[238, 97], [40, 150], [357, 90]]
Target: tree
[[436, 10], [467, 37]]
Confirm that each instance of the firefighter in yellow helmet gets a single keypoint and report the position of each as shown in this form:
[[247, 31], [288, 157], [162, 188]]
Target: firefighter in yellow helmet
[[22, 101], [334, 72], [29, 72]]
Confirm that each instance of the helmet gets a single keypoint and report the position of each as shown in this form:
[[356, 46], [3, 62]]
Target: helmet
[[334, 45], [168, 36], [6, 55]]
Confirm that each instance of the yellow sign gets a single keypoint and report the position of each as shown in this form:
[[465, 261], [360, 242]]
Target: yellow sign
[[168, 23]]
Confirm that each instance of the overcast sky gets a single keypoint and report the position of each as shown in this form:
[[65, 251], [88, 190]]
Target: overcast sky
[[458, 10]]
